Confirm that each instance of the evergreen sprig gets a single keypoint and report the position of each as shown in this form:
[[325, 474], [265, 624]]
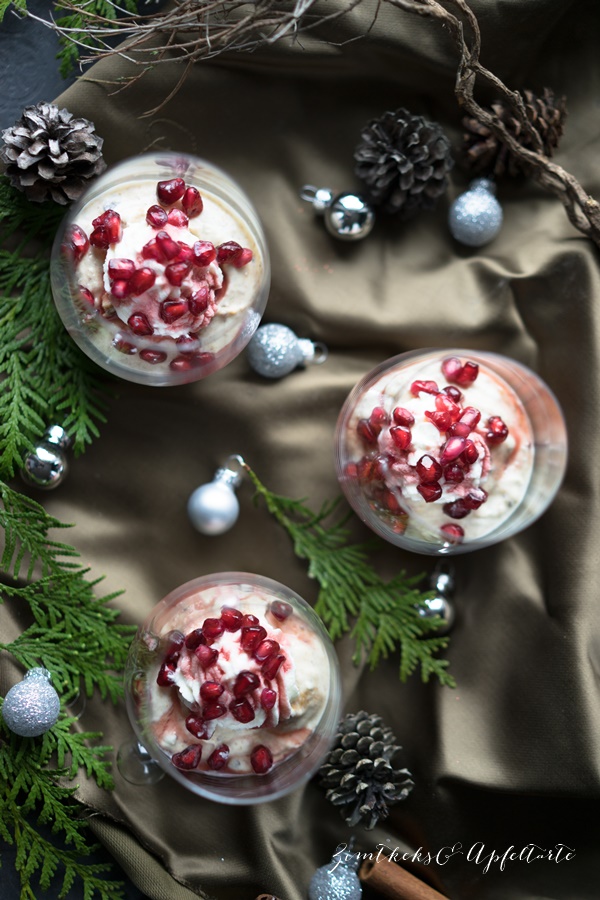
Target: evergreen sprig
[[382, 616]]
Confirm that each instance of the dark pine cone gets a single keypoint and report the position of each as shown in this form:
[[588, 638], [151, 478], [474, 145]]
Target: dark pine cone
[[360, 772], [50, 154], [484, 154], [403, 161]]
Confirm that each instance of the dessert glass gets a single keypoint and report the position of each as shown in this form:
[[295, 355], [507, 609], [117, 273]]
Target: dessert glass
[[134, 273], [482, 458], [283, 698]]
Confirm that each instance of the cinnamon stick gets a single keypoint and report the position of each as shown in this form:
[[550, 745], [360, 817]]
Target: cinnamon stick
[[394, 882]]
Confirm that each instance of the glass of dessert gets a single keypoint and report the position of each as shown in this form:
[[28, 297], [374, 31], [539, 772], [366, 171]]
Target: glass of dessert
[[233, 688], [161, 272], [449, 451]]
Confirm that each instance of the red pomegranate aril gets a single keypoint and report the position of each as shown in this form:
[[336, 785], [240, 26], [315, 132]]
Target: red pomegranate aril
[[156, 217], [151, 250], [497, 431], [403, 416], [424, 387], [261, 759], [265, 650], [213, 628], [169, 248], [251, 637], [401, 437], [453, 393], [390, 502], [119, 289], [430, 492], [228, 251], [441, 420], [453, 533], [123, 346], [154, 357], [198, 301], [271, 667], [211, 690], [194, 639], [268, 698], [378, 418], [204, 253], [444, 403], [241, 710], [86, 295], [141, 281], [139, 324], [196, 726], [171, 310], [476, 497], [428, 469], [248, 619], [280, 609], [452, 449], [213, 710], [458, 509], [100, 237], [245, 682], [166, 674], [468, 374], [454, 474], [206, 656], [188, 758], [219, 758], [231, 618], [120, 269], [460, 429], [177, 218], [367, 469], [470, 454], [242, 259], [451, 367], [173, 651], [170, 191], [111, 221], [366, 431], [176, 272], [186, 254], [192, 202], [77, 243], [470, 416]]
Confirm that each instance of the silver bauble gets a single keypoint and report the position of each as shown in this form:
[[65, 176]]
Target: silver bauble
[[349, 217], [31, 707], [475, 217], [336, 881], [45, 466], [275, 351], [441, 607], [213, 508]]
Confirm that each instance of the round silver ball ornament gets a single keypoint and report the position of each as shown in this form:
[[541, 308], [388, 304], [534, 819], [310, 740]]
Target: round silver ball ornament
[[213, 508], [440, 605], [32, 707], [347, 216], [46, 466], [475, 217], [275, 351], [337, 880]]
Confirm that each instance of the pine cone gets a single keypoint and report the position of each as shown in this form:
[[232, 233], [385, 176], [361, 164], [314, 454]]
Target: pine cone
[[50, 154], [403, 161], [359, 771], [485, 154]]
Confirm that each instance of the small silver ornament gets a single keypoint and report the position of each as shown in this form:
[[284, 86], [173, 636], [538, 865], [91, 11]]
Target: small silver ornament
[[442, 582], [46, 465], [347, 216], [475, 217], [275, 351], [31, 707], [338, 879], [213, 508]]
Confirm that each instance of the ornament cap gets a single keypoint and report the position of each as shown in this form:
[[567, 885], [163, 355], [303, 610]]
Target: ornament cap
[[56, 434], [320, 198], [314, 353], [483, 184], [231, 472]]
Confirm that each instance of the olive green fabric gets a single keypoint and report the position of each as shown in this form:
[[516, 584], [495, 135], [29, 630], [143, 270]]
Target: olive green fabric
[[511, 757]]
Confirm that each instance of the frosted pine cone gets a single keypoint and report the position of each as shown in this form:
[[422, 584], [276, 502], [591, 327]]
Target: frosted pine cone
[[49, 154]]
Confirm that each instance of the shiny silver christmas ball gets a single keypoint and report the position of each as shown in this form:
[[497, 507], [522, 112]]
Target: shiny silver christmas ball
[[438, 606], [275, 351], [476, 216], [349, 217], [31, 707], [335, 881], [213, 508], [45, 466]]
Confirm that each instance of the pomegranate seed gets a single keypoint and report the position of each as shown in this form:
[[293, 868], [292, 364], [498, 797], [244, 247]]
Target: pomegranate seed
[[251, 637], [241, 710], [120, 269], [204, 253], [219, 757], [280, 609], [475, 498], [77, 243], [168, 247], [156, 216], [470, 454], [424, 387], [444, 403], [123, 346], [451, 367], [176, 272], [249, 619], [211, 690], [497, 431], [265, 650], [391, 503], [170, 191], [453, 393], [268, 698], [177, 218], [110, 220], [271, 667], [212, 628], [470, 416], [452, 449], [192, 202], [401, 437], [100, 237], [196, 726], [198, 302], [232, 618], [441, 420], [171, 310], [378, 419], [261, 759], [141, 281], [206, 656], [151, 250], [460, 429], [188, 758], [175, 646], [228, 252], [186, 254], [213, 711], [245, 682], [428, 469], [468, 374], [366, 469], [152, 356], [194, 639], [139, 324], [366, 431], [454, 533], [165, 674], [454, 474], [403, 416], [458, 509], [242, 259], [430, 492], [183, 364], [119, 289], [86, 295]]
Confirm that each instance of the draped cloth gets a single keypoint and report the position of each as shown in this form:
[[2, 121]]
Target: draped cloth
[[511, 757]]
